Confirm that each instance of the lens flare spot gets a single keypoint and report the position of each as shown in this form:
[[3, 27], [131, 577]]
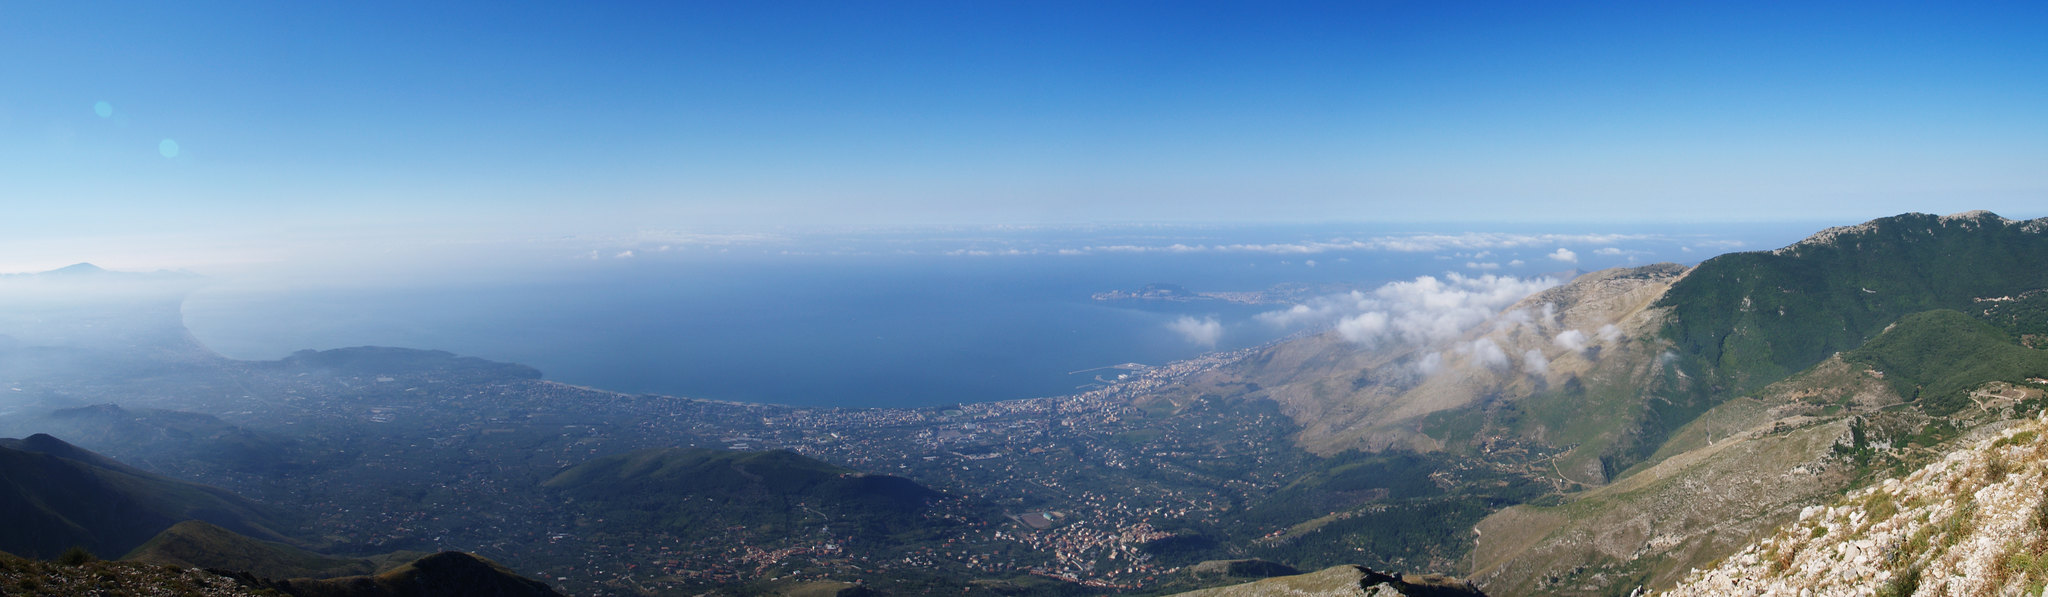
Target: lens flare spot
[[105, 110], [167, 147]]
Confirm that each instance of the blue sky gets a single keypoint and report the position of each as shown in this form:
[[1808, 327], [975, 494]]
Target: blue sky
[[302, 125]]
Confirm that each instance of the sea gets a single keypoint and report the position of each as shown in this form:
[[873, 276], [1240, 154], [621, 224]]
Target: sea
[[910, 318]]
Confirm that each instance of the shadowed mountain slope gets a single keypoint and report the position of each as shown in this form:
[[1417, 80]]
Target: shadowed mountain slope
[[62, 496], [445, 574]]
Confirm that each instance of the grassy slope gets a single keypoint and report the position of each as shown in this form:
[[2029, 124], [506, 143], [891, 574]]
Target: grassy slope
[[197, 544], [1744, 320], [1938, 356]]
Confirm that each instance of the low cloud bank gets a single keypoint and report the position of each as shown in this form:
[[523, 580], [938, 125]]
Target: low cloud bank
[[1413, 312]]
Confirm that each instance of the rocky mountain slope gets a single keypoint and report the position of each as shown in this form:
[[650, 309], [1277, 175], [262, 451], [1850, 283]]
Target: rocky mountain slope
[[447, 574], [1445, 392], [35, 578], [1744, 468], [1972, 523], [1822, 367]]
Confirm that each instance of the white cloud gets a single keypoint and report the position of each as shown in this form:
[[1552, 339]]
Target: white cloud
[[1513, 319], [1517, 263], [1205, 331], [1565, 255], [1481, 266], [1609, 334], [1300, 315], [1534, 363], [1572, 340], [1310, 263], [1364, 327], [1426, 309], [1608, 251], [1487, 353], [1427, 364], [623, 255]]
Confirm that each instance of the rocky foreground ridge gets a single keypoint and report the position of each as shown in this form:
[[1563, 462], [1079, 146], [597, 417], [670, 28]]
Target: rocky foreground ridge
[[1972, 523], [445, 574]]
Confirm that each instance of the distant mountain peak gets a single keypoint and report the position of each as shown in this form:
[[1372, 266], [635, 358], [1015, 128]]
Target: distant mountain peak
[[1975, 214], [78, 268]]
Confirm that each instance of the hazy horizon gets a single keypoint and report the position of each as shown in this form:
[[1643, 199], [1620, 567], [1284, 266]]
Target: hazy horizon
[[905, 318]]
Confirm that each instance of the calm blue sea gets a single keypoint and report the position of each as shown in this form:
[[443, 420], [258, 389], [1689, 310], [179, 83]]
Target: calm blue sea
[[919, 322]]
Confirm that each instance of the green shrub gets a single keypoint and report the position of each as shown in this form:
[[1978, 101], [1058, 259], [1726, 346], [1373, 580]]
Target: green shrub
[[76, 556], [1902, 584]]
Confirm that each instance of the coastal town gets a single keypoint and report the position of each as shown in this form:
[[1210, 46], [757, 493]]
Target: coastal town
[[431, 452]]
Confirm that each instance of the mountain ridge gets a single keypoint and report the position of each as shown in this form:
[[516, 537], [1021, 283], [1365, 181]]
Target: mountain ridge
[[65, 496], [1812, 383]]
